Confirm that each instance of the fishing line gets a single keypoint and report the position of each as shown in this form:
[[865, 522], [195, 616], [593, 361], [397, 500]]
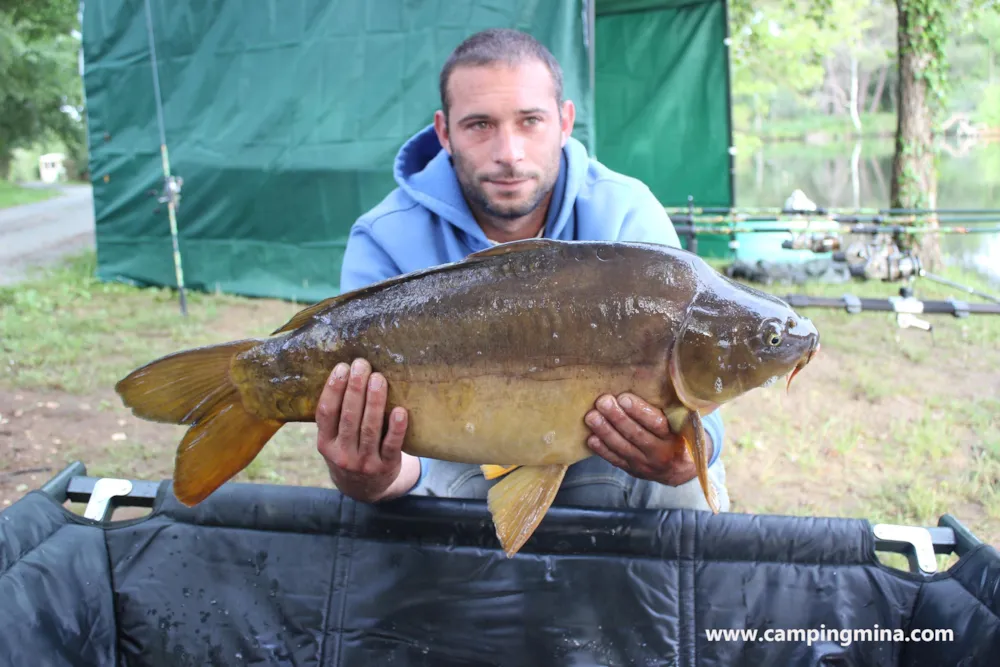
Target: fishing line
[[171, 187], [945, 281]]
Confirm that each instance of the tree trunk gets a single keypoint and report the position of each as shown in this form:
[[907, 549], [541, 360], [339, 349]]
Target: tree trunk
[[855, 115], [879, 87], [863, 85], [914, 176], [6, 159]]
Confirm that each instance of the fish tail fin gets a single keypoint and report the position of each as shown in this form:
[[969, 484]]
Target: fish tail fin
[[217, 447], [693, 432], [520, 500], [194, 387], [492, 471]]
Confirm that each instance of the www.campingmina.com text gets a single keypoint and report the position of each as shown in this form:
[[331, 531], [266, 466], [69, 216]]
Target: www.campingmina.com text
[[844, 637]]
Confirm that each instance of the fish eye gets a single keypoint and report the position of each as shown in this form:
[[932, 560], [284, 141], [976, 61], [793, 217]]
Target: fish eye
[[771, 334]]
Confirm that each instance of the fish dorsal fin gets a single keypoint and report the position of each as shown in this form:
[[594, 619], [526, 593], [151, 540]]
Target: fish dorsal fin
[[525, 245], [305, 315]]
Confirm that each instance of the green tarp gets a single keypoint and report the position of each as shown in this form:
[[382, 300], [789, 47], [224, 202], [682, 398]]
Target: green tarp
[[283, 118], [662, 97]]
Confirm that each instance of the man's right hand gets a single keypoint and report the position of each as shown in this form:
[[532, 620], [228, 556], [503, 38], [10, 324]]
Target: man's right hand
[[349, 417]]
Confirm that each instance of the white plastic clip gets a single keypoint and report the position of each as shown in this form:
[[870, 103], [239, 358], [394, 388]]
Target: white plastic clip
[[105, 489]]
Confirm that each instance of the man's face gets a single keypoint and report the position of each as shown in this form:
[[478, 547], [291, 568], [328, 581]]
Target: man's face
[[505, 135]]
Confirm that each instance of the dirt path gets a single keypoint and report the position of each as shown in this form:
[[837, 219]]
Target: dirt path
[[42, 233]]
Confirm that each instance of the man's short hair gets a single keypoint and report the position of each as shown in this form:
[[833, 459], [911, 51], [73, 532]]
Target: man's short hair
[[500, 45]]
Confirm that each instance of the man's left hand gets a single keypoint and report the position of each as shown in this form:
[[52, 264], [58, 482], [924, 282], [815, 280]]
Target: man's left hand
[[636, 437]]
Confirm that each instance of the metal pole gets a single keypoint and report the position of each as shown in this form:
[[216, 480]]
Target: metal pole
[[171, 202]]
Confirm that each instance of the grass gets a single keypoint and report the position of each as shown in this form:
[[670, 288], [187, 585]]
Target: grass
[[68, 331], [900, 426], [886, 424], [12, 194]]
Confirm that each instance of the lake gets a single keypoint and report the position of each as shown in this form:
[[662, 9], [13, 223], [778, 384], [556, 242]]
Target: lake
[[829, 174]]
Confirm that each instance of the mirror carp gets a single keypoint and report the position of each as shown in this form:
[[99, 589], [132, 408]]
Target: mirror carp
[[497, 359]]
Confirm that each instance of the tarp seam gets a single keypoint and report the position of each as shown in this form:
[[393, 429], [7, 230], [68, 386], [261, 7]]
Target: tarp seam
[[324, 635], [655, 8], [348, 561], [116, 651], [354, 535]]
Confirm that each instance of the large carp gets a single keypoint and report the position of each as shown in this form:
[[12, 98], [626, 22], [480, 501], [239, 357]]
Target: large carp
[[497, 358]]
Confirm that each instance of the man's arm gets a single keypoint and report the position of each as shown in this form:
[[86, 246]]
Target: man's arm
[[350, 414], [647, 221], [365, 262]]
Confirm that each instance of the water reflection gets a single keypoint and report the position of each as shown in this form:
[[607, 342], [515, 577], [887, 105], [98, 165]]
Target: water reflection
[[857, 174]]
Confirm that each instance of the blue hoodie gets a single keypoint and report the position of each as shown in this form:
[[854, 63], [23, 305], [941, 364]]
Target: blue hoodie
[[426, 221]]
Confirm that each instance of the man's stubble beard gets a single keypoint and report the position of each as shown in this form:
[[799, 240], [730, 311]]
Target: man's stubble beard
[[476, 195]]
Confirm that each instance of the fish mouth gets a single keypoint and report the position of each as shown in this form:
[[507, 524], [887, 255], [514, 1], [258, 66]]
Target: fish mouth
[[802, 364]]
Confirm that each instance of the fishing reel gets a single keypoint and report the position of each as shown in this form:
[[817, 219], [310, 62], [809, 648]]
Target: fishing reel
[[170, 194], [880, 260], [817, 242]]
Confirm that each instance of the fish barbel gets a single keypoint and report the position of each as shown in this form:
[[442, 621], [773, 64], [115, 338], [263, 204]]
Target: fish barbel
[[497, 359]]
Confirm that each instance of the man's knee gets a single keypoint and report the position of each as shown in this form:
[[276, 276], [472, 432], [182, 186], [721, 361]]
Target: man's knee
[[592, 482], [689, 495]]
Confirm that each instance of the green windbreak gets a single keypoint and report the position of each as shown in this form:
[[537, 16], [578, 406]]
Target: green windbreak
[[661, 97], [283, 118]]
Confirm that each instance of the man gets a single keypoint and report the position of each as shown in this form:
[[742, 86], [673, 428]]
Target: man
[[499, 165]]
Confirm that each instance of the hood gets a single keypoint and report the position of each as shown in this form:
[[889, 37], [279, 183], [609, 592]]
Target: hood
[[423, 170]]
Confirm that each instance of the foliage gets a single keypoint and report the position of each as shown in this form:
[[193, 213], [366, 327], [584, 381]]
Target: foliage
[[924, 29], [924, 35], [796, 59], [775, 46], [988, 110], [41, 92]]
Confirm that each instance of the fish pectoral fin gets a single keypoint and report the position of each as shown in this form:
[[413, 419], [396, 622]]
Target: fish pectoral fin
[[689, 427], [520, 500], [492, 472]]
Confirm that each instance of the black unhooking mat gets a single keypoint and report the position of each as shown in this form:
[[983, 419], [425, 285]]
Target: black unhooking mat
[[271, 575]]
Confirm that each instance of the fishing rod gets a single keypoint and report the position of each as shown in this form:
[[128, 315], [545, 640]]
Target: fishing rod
[[853, 229], [824, 210], [839, 219], [171, 185]]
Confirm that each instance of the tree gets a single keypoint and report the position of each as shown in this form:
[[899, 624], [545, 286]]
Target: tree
[[40, 89], [923, 27], [776, 46]]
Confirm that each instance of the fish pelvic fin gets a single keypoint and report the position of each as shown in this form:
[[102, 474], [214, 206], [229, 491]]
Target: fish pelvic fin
[[194, 387], [492, 472], [519, 501], [688, 425]]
